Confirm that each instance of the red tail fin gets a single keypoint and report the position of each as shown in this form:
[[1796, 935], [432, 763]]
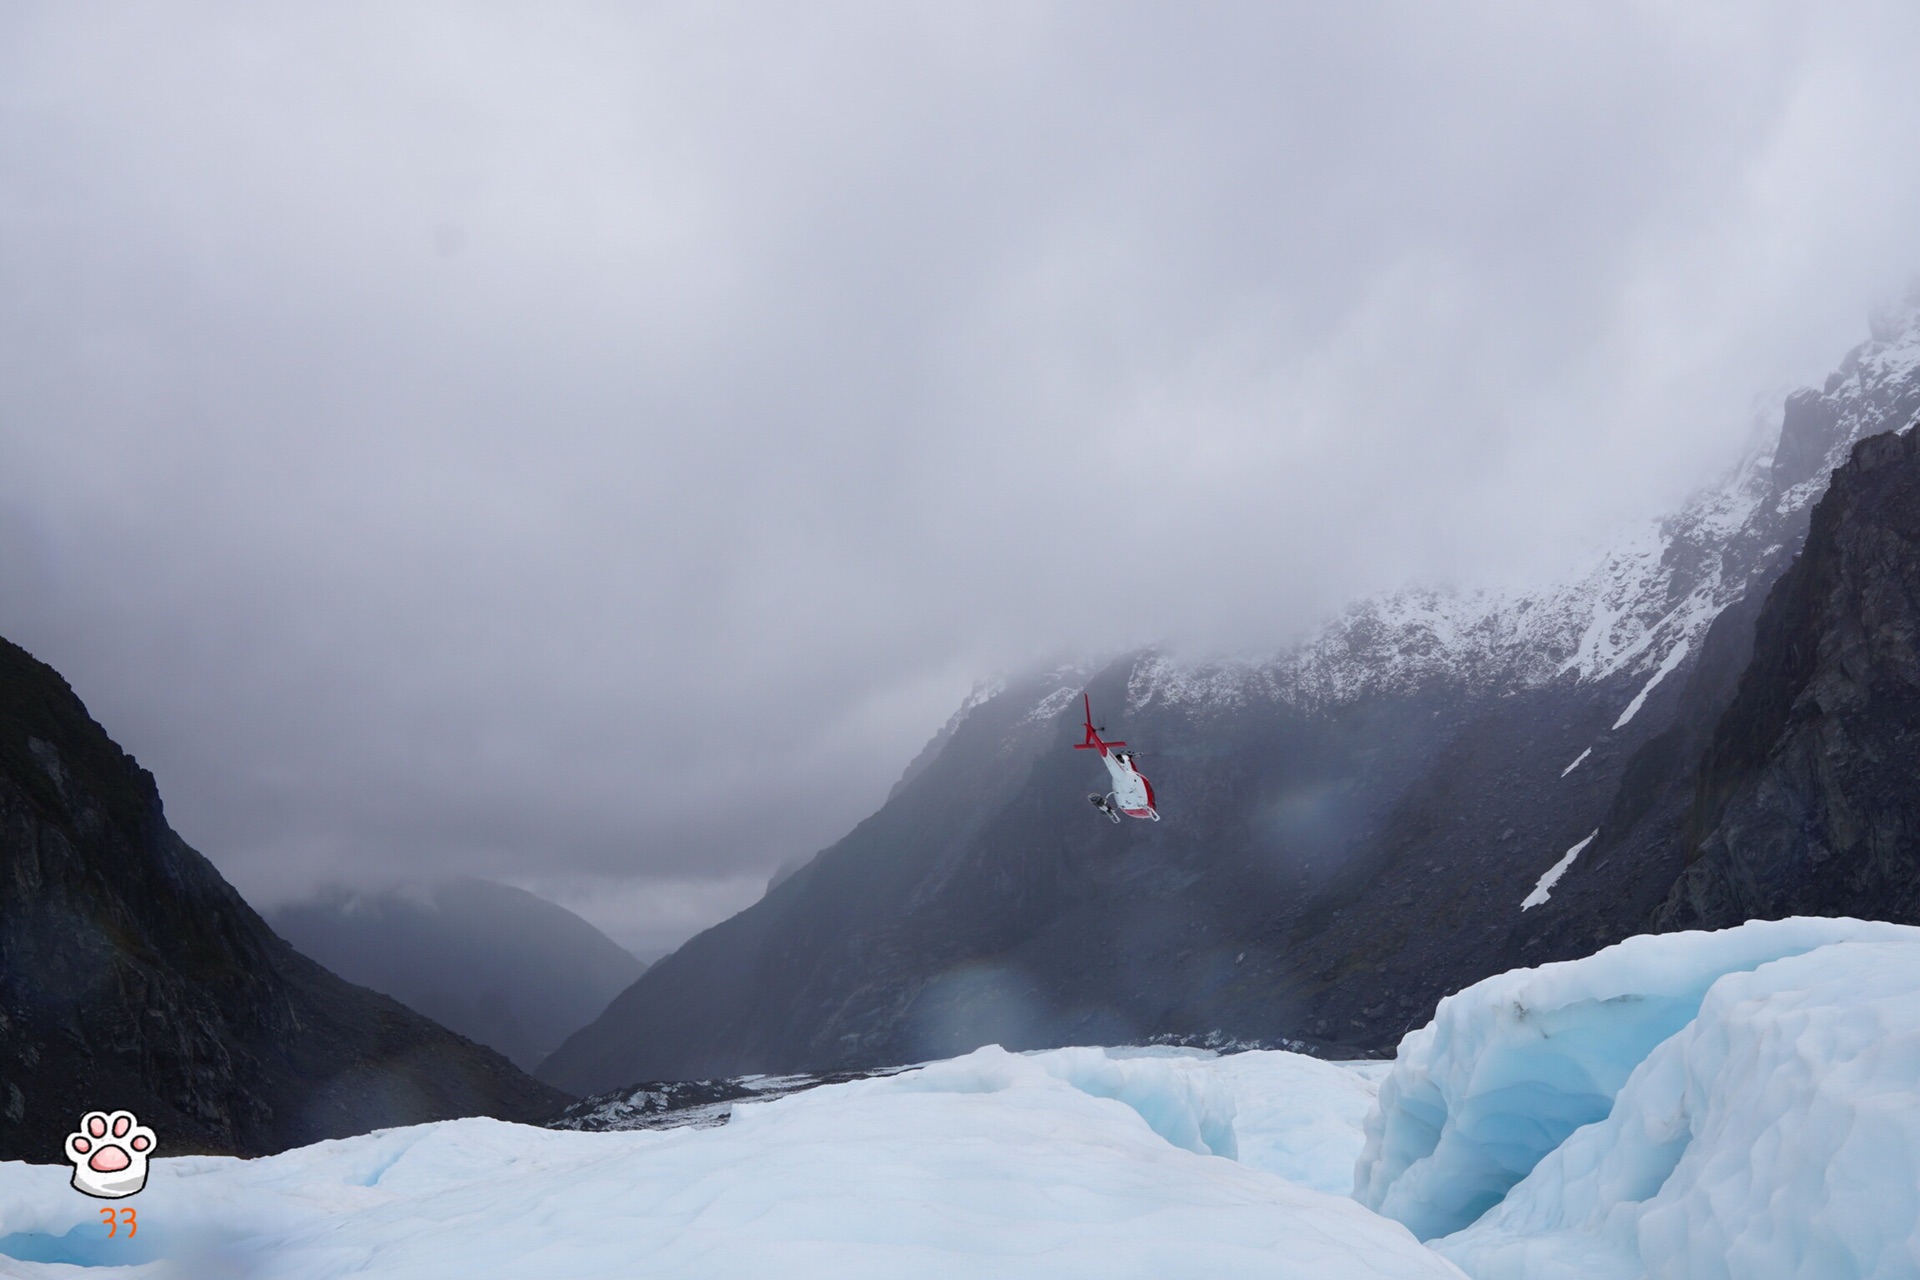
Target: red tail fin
[[1093, 741]]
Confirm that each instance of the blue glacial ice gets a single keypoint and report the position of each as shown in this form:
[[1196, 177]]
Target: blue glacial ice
[[1511, 1067], [1777, 1135]]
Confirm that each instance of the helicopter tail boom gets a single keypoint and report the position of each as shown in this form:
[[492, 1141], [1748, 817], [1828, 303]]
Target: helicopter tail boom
[[1094, 741]]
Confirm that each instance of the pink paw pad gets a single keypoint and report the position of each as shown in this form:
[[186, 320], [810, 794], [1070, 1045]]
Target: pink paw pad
[[108, 1159]]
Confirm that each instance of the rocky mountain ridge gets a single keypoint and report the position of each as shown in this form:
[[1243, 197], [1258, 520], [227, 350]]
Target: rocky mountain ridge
[[1655, 590], [1804, 800]]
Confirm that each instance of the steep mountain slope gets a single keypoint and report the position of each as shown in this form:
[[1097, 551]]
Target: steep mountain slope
[[1805, 801], [1621, 882], [497, 964], [1353, 828], [132, 976]]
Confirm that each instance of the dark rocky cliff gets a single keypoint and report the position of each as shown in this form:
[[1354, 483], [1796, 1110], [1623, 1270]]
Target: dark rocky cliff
[[1807, 800], [133, 976], [1625, 881]]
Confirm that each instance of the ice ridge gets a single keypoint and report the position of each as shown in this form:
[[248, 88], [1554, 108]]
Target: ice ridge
[[1512, 1066]]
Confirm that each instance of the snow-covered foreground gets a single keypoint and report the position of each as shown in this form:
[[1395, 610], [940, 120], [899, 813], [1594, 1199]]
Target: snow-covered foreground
[[1079, 1162], [1735, 1104], [1741, 1104]]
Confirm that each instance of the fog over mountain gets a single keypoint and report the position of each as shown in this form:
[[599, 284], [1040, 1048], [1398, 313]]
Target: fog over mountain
[[497, 964], [1436, 788], [594, 449]]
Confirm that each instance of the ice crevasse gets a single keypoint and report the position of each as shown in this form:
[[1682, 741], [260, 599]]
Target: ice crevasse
[[1744, 1103]]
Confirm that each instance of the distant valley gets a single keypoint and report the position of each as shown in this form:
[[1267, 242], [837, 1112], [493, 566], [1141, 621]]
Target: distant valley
[[496, 964]]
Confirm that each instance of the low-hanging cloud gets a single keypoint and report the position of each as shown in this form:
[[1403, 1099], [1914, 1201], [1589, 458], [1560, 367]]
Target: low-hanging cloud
[[595, 445]]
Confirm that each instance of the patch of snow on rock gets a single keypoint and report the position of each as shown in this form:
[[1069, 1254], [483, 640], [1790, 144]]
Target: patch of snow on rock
[[1053, 704], [1640, 698], [1544, 888]]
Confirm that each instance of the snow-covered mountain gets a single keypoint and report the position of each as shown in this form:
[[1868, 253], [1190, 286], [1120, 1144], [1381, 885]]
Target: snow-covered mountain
[[1428, 791], [1643, 605]]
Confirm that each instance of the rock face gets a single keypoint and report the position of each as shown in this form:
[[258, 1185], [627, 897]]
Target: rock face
[[133, 976], [1352, 829], [1808, 797], [497, 964]]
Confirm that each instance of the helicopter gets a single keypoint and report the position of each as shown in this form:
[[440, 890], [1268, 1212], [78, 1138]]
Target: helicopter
[[1132, 794]]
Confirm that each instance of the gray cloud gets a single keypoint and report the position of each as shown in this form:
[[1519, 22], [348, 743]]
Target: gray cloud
[[595, 446]]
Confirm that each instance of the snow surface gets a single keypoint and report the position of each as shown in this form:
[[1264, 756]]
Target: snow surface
[[1510, 1067], [1071, 1163], [1776, 1135], [1544, 888], [1576, 762], [1298, 1117]]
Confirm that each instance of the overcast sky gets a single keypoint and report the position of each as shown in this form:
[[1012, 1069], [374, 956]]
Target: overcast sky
[[596, 446]]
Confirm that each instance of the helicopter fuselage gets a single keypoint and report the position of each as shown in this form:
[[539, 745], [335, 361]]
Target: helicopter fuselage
[[1132, 793]]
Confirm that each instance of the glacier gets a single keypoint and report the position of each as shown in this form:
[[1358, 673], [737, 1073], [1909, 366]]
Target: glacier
[[1743, 1103], [1776, 1136], [1070, 1163], [1510, 1067]]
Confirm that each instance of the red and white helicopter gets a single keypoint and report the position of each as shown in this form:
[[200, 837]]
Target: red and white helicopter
[[1132, 794]]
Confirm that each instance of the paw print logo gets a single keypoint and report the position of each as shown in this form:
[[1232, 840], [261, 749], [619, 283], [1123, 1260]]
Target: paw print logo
[[109, 1154]]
